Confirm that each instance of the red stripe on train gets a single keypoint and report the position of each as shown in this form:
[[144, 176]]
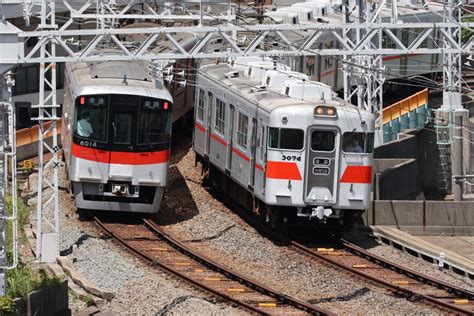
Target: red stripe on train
[[357, 174], [219, 139], [240, 154], [283, 170], [119, 157], [200, 127]]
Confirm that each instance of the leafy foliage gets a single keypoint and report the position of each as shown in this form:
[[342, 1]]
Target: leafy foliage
[[466, 34]]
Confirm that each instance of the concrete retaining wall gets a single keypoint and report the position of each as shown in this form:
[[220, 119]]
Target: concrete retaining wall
[[424, 217], [405, 147], [30, 150], [395, 179]]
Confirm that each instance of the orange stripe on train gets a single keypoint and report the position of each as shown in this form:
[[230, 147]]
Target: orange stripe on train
[[283, 170], [118, 157], [357, 174]]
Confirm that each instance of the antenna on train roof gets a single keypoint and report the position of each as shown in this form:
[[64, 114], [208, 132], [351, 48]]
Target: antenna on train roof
[[124, 81]]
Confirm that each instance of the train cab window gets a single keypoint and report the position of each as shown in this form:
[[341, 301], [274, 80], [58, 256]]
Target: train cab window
[[242, 130], [122, 126], [323, 140], [155, 122], [200, 107], [91, 117], [358, 143], [286, 138], [220, 116]]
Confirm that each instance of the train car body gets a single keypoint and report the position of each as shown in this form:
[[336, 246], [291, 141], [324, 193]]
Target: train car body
[[279, 143], [116, 136]]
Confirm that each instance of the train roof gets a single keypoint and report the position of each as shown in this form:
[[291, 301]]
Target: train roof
[[125, 77], [269, 98]]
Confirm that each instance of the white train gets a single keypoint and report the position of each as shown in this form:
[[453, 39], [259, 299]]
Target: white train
[[116, 134], [280, 144], [328, 69]]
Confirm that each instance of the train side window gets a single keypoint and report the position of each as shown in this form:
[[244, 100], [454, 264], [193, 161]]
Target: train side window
[[360, 143], [323, 141], [200, 107], [286, 138], [220, 116], [242, 130]]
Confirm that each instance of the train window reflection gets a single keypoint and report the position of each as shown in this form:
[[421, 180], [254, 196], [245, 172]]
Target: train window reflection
[[123, 128], [286, 138], [323, 140], [91, 118], [155, 122], [353, 142]]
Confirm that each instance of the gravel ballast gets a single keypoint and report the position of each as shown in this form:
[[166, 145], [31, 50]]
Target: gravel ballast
[[138, 288], [192, 214]]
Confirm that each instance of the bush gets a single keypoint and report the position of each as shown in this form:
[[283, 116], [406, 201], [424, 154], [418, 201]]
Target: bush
[[7, 307], [23, 280]]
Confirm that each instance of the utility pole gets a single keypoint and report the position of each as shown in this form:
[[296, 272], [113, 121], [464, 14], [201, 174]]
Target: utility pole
[[47, 212], [452, 111], [363, 74]]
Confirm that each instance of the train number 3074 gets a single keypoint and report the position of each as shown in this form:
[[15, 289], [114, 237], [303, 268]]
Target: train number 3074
[[290, 158]]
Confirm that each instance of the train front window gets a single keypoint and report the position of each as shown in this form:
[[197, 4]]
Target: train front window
[[155, 122], [323, 141], [122, 125], [91, 118], [358, 143]]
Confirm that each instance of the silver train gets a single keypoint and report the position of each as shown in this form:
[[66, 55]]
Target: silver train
[[282, 145], [116, 134]]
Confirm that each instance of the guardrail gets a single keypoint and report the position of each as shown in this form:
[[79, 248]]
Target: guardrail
[[409, 113]]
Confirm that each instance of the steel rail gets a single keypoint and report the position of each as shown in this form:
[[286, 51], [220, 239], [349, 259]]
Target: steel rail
[[273, 235], [307, 307], [394, 287], [175, 272], [260, 288], [408, 272]]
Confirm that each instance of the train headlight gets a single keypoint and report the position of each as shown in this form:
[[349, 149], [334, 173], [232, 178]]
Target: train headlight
[[325, 111]]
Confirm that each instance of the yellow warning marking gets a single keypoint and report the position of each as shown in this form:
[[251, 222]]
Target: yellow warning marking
[[360, 266], [159, 249], [335, 254], [401, 282], [236, 290], [212, 279], [325, 249], [182, 264], [267, 305], [199, 270], [461, 302]]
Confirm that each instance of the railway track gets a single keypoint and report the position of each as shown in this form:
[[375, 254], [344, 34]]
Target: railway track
[[144, 238], [401, 281], [358, 262]]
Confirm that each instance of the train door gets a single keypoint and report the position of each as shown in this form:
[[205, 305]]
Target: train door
[[230, 142], [253, 151], [261, 157], [210, 102], [121, 139], [322, 170]]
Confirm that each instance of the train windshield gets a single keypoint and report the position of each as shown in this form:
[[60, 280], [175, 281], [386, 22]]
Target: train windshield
[[91, 118], [123, 122], [155, 122], [360, 143]]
